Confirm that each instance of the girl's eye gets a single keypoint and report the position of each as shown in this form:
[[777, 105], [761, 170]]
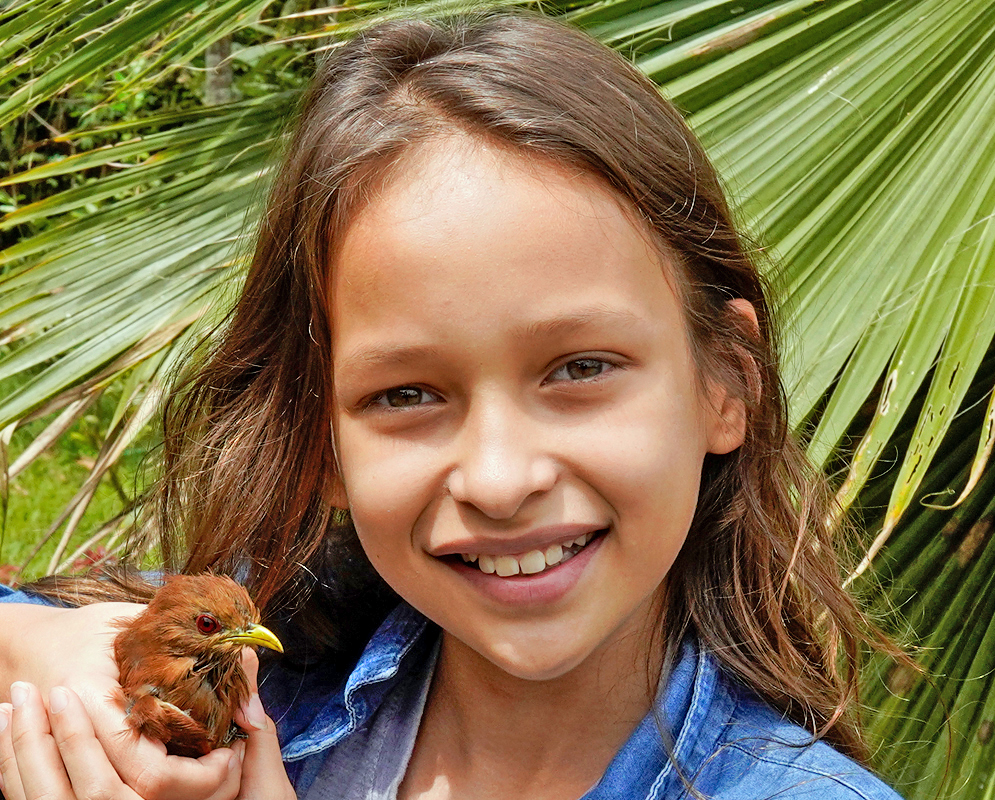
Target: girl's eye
[[402, 397], [581, 369], [207, 624]]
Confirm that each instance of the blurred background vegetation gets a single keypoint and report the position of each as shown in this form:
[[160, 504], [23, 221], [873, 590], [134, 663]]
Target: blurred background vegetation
[[855, 137]]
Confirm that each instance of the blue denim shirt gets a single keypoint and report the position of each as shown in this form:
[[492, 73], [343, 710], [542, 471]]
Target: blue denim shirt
[[726, 741]]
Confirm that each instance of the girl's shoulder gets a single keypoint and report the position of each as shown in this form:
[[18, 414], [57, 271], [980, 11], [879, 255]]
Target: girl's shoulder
[[760, 754]]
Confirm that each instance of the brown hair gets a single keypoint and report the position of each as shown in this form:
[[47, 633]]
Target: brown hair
[[248, 452]]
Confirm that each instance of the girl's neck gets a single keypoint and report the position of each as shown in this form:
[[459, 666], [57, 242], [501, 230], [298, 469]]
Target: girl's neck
[[488, 734]]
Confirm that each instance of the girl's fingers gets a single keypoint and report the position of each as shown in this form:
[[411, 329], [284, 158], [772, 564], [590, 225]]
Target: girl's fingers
[[57, 755], [90, 773], [263, 774], [143, 764], [36, 756], [10, 781]]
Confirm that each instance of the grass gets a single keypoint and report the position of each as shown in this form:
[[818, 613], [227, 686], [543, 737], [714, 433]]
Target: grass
[[39, 494]]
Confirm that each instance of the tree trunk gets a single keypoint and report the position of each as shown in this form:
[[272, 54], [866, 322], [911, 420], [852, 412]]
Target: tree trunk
[[217, 89]]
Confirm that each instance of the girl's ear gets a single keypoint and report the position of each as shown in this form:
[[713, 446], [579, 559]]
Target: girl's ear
[[727, 417], [335, 495]]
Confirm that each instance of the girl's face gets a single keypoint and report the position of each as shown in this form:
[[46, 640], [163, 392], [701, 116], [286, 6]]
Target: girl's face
[[514, 393]]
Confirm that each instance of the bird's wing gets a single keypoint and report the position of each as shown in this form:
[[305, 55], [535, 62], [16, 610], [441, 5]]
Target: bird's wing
[[158, 719]]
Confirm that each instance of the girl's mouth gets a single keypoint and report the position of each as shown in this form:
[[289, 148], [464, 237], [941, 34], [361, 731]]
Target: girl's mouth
[[533, 562]]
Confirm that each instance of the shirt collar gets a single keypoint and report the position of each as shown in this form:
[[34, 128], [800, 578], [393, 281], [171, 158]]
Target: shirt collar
[[314, 712], [669, 745]]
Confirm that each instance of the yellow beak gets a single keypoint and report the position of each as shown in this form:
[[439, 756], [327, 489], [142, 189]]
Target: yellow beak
[[256, 635]]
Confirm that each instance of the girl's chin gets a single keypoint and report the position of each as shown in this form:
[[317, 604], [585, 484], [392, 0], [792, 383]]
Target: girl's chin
[[522, 666], [561, 646], [536, 655]]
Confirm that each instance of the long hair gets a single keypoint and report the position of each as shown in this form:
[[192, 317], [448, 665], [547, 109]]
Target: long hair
[[248, 454]]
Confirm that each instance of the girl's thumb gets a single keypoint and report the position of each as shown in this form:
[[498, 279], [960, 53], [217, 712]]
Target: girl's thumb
[[263, 774]]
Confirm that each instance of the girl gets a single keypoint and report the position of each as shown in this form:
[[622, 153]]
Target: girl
[[500, 331]]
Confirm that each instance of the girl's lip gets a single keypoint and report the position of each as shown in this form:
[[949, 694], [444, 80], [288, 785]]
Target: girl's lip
[[547, 586], [538, 539]]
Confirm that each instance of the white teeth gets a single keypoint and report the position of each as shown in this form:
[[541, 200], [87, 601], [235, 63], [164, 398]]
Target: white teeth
[[532, 562], [486, 564], [506, 566]]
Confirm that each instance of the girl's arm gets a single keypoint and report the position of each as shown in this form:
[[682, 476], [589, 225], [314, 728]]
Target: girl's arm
[[71, 647]]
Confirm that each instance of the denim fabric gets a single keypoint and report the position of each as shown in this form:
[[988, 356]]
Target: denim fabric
[[371, 763], [727, 742], [8, 595]]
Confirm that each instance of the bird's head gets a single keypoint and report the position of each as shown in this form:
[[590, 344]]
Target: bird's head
[[208, 617]]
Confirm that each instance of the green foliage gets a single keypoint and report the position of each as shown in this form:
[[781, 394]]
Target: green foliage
[[48, 484]]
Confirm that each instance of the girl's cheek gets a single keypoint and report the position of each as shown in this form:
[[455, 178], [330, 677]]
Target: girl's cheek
[[383, 482]]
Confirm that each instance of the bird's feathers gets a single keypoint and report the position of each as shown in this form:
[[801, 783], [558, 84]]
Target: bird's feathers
[[180, 662], [161, 720]]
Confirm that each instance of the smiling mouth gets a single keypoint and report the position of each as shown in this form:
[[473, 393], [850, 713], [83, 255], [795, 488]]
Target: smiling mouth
[[533, 562]]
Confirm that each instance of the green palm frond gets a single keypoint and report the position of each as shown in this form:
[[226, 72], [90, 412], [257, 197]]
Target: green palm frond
[[856, 139], [34, 40]]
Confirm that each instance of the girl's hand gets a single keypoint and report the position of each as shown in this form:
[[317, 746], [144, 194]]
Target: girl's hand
[[73, 648], [57, 756], [263, 774]]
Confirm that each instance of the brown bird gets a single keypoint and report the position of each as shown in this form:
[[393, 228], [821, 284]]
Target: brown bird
[[180, 662]]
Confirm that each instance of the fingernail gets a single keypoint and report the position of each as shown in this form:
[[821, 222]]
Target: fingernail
[[233, 763], [4, 718], [58, 699], [18, 694], [254, 712]]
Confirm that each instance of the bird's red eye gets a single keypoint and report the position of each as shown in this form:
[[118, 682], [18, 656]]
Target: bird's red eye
[[207, 624]]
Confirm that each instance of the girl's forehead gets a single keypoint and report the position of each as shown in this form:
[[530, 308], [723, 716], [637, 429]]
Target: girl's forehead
[[459, 194], [459, 168], [472, 243]]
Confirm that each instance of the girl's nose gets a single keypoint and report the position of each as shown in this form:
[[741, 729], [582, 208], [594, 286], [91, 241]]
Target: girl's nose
[[500, 462]]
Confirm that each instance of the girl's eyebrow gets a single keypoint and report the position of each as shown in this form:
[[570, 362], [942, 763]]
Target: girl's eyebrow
[[387, 356], [593, 317], [376, 356]]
